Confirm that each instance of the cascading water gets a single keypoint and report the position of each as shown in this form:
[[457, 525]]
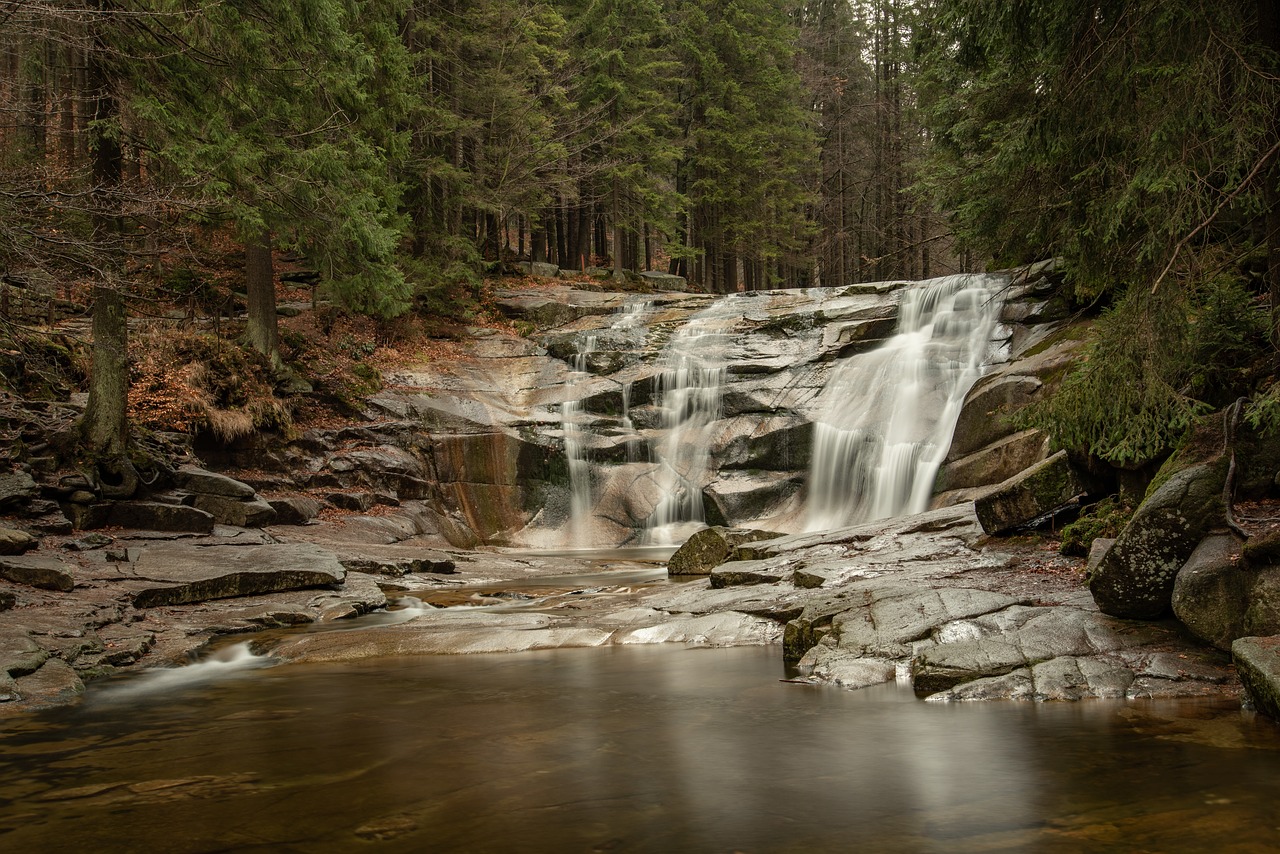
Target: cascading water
[[887, 416], [575, 420], [690, 389]]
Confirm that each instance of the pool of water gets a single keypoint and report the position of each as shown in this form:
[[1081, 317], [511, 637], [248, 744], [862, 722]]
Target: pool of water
[[619, 749]]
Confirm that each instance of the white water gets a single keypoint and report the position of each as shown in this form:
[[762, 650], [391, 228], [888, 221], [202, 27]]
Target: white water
[[887, 416], [690, 389], [575, 421]]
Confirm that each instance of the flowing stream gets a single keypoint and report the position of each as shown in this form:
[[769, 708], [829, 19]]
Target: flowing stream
[[888, 415], [623, 750]]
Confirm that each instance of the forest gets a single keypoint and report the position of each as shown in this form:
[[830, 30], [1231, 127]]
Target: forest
[[403, 150]]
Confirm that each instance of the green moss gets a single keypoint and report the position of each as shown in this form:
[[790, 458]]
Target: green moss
[[1104, 519]]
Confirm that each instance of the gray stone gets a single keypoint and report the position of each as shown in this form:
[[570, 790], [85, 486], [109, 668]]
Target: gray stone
[[197, 480], [117, 555], [995, 463], [46, 573], [17, 491], [19, 653], [358, 502], [55, 683], [809, 579], [710, 547], [89, 542], [15, 542], [253, 513], [1211, 591], [429, 562], [157, 516], [7, 600], [1135, 578], [294, 509], [984, 416], [1097, 551], [178, 574], [664, 281], [1029, 495], [740, 573], [1257, 660], [538, 268], [740, 497]]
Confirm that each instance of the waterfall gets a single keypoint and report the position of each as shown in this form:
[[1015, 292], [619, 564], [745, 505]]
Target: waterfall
[[887, 416], [628, 330], [690, 390], [573, 420]]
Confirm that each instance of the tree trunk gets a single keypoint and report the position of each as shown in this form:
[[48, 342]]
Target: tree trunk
[[105, 426], [260, 285]]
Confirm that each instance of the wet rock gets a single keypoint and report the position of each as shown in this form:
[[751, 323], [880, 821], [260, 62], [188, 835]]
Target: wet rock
[[203, 482], [710, 547], [740, 573], [15, 542], [739, 497], [1135, 578], [430, 562], [46, 573], [243, 513], [1258, 662], [810, 578], [178, 574], [998, 644], [294, 509], [54, 684], [158, 516], [837, 667], [1030, 495]]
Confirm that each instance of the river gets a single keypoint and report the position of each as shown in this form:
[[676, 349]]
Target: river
[[652, 749]]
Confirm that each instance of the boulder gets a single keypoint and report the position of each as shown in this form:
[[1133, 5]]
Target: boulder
[[1258, 663], [1211, 591], [251, 513], [1029, 495], [203, 482], [1135, 578], [46, 573], [739, 497], [710, 547], [19, 653], [15, 542], [179, 574], [741, 573], [664, 281], [430, 562], [540, 269], [294, 509], [158, 516], [17, 491]]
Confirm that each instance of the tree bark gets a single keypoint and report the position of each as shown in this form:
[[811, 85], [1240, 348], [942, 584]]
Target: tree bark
[[105, 426], [260, 286]]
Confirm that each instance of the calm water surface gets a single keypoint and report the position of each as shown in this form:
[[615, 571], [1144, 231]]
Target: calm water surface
[[620, 749]]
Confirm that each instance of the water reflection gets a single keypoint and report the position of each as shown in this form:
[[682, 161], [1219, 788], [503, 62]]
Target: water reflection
[[625, 749]]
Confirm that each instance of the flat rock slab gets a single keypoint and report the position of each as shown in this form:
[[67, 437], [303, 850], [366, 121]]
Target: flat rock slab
[[1258, 662], [47, 573], [181, 574]]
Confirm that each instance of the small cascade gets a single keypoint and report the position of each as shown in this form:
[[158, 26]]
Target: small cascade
[[626, 330], [887, 416], [690, 390], [573, 421]]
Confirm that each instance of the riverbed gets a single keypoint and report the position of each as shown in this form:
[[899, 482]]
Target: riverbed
[[619, 749]]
